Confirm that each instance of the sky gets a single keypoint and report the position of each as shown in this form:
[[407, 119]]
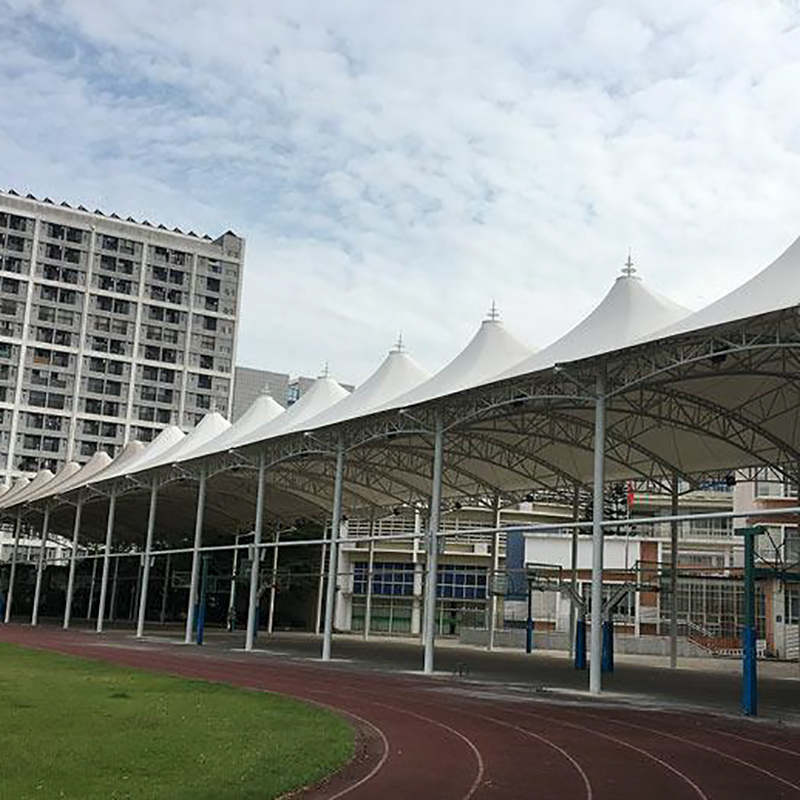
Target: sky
[[399, 166]]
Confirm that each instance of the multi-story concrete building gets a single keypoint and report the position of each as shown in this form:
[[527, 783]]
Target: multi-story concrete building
[[110, 329]]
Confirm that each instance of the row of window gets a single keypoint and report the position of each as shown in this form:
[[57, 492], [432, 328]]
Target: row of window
[[464, 582]]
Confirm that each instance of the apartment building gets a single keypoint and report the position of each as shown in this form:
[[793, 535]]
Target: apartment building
[[110, 330]]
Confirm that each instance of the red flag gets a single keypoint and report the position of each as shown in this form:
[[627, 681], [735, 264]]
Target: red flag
[[630, 495]]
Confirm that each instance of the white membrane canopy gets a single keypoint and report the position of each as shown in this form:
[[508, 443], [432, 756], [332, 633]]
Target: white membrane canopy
[[42, 478], [98, 462], [263, 410], [629, 311], [62, 477], [398, 373], [8, 498], [321, 395], [774, 288], [119, 466], [209, 428], [166, 440], [491, 350]]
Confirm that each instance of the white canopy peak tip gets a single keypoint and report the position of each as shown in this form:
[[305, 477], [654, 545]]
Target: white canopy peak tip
[[399, 345], [628, 268], [493, 314], [325, 372]]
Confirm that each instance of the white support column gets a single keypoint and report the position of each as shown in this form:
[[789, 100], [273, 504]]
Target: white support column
[[73, 561], [370, 569], [148, 549], [252, 603], [433, 548], [573, 610], [495, 569], [198, 543], [91, 588], [273, 588], [419, 580], [673, 579], [101, 611], [112, 608], [37, 592], [12, 576], [165, 589], [232, 596], [321, 582], [596, 641], [333, 560]]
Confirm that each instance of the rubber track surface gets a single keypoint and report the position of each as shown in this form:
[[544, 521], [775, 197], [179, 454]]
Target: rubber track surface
[[432, 738]]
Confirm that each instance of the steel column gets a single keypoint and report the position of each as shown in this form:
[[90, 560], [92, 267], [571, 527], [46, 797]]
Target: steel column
[[596, 639], [370, 568], [165, 590], [333, 559], [495, 569], [252, 602], [432, 542], [101, 611], [91, 588], [37, 592], [13, 574], [321, 582], [148, 549], [273, 588], [76, 529], [198, 543], [573, 610], [673, 578]]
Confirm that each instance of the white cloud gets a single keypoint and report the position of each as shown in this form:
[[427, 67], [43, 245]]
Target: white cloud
[[399, 165]]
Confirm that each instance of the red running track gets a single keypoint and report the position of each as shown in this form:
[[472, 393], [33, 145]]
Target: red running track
[[440, 739]]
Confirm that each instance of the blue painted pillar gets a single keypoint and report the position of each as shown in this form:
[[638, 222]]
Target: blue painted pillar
[[529, 624], [749, 670], [580, 644], [608, 646]]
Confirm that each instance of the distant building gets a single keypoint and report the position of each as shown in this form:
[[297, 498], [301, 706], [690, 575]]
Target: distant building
[[110, 330], [250, 382]]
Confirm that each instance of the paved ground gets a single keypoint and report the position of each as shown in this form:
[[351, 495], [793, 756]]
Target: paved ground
[[494, 735]]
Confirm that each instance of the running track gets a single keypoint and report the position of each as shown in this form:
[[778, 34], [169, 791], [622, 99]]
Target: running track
[[437, 738]]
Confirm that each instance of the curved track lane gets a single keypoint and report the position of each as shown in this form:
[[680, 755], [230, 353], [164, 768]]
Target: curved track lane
[[437, 738]]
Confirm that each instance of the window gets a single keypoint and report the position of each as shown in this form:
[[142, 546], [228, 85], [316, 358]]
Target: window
[[91, 427], [109, 429], [93, 406], [51, 444], [461, 582], [10, 286], [210, 323], [95, 385], [388, 578], [206, 362], [212, 284], [176, 276], [109, 243], [204, 381]]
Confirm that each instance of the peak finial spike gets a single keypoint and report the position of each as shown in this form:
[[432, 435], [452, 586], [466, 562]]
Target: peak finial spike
[[326, 372], [494, 313], [399, 346], [628, 269]]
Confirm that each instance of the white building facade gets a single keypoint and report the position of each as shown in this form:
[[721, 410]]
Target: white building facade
[[110, 330]]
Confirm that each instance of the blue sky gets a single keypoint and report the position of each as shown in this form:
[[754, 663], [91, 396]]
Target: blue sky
[[399, 165]]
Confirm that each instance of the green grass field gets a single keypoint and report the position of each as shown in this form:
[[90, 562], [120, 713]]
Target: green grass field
[[73, 728]]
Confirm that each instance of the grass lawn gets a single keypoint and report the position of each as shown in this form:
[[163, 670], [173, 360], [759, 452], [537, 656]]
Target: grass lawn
[[75, 728]]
